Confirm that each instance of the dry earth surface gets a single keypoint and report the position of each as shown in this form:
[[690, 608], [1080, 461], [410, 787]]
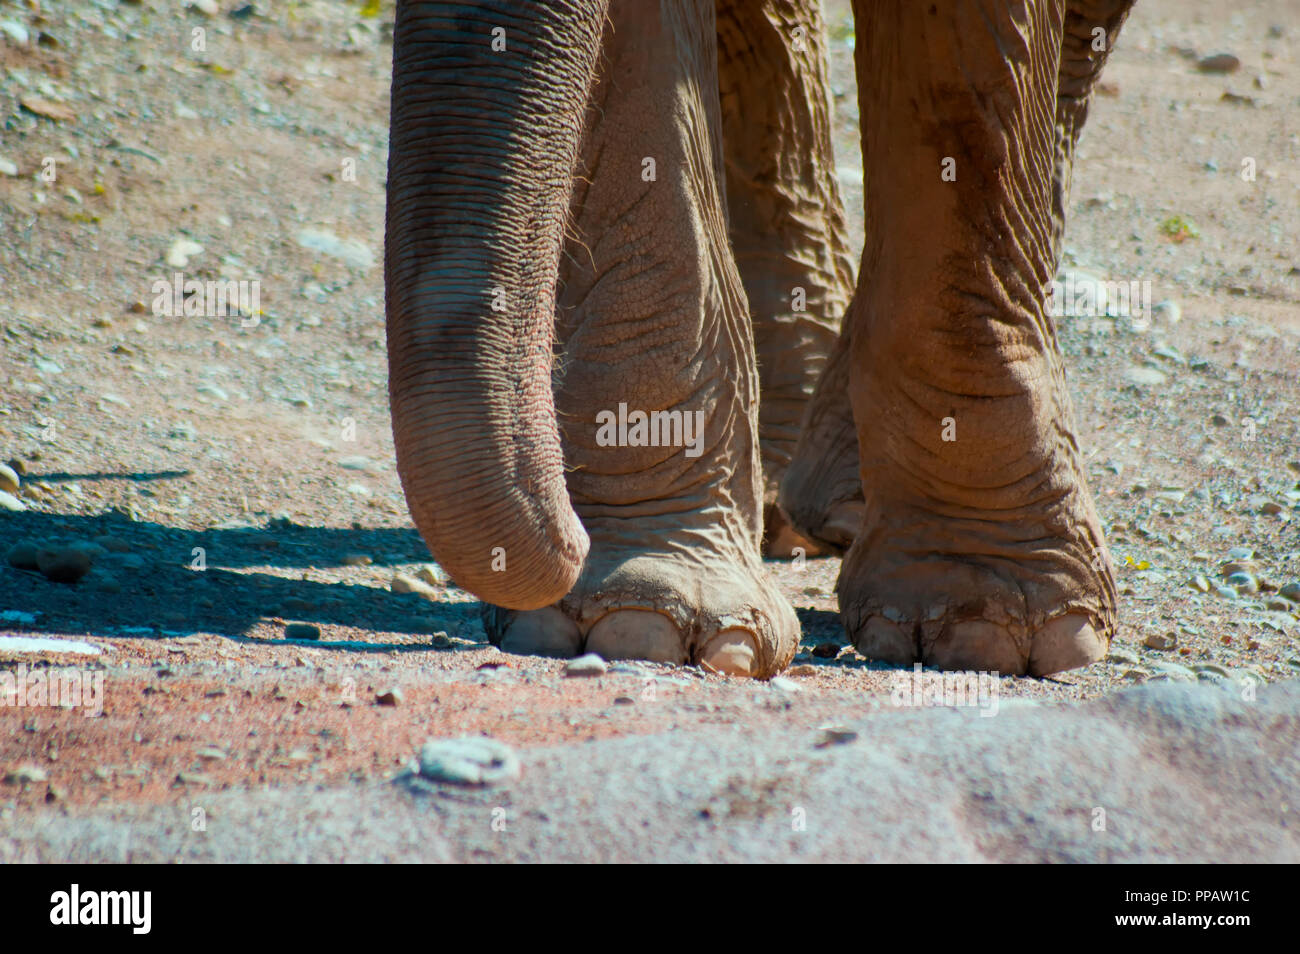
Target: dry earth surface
[[227, 478]]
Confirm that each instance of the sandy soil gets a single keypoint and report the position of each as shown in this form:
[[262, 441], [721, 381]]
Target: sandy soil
[[227, 477]]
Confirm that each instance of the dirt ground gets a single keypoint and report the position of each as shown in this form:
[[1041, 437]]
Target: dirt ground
[[229, 477]]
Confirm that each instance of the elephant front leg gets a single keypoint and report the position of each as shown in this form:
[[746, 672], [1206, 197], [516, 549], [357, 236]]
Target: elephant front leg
[[787, 223], [656, 385], [980, 546]]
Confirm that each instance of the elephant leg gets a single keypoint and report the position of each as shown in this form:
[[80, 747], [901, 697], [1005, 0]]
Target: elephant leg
[[787, 223], [821, 492], [1091, 28], [980, 546], [652, 319]]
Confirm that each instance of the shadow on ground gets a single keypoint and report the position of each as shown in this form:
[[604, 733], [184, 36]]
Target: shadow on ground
[[145, 582]]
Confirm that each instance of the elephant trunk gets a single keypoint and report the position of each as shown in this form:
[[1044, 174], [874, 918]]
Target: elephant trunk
[[488, 101]]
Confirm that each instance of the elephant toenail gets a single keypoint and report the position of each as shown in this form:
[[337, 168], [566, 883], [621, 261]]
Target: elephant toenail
[[1066, 642], [976, 645], [543, 632], [732, 652], [884, 641], [637, 634]]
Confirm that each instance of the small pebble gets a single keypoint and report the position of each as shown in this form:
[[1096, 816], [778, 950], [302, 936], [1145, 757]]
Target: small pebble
[[1144, 377], [589, 664], [408, 584], [834, 735], [8, 479], [1161, 641], [1168, 311], [15, 31], [25, 774], [64, 564], [1243, 582], [468, 761], [1219, 63], [1122, 656], [393, 697], [22, 556], [181, 251], [301, 631], [432, 575], [782, 684]]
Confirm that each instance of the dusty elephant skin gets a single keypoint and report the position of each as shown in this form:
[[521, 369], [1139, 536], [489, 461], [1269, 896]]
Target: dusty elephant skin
[[630, 205]]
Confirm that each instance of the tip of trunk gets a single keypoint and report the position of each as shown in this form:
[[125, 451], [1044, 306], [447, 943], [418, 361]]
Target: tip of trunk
[[519, 570]]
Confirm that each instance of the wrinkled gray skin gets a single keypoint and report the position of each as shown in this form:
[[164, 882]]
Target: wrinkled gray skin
[[632, 202]]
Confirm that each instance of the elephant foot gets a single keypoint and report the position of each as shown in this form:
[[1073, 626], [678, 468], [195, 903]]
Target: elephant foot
[[1018, 594], [677, 603], [957, 615]]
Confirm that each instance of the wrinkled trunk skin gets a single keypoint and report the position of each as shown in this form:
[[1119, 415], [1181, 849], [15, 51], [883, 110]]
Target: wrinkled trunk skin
[[482, 148]]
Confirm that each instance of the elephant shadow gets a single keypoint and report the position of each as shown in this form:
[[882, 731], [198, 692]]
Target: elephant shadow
[[157, 581], [247, 577]]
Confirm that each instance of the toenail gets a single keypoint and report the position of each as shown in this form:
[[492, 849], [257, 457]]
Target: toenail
[[884, 641], [977, 645], [637, 634], [543, 632], [732, 652], [1067, 642]]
